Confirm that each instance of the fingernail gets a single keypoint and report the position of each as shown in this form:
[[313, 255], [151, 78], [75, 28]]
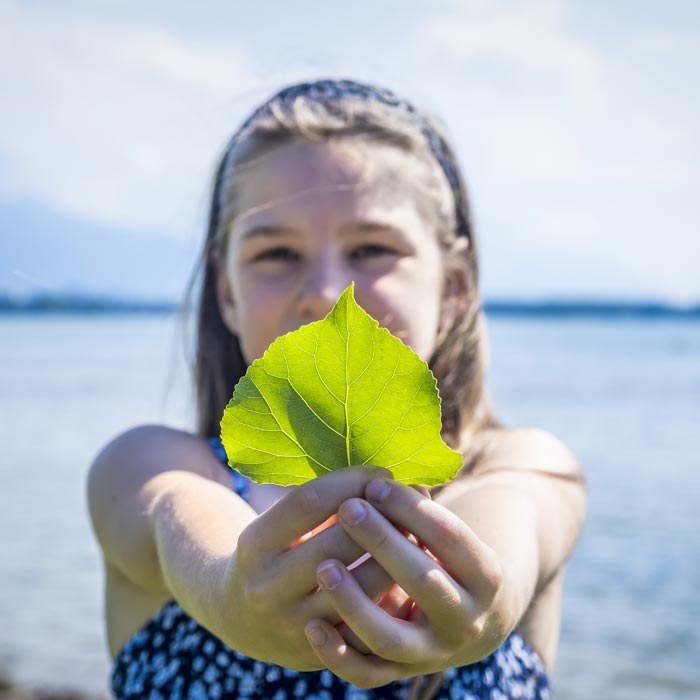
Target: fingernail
[[316, 635], [352, 512], [377, 490], [329, 575], [383, 473]]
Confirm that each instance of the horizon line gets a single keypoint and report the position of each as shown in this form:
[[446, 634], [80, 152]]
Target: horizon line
[[44, 302]]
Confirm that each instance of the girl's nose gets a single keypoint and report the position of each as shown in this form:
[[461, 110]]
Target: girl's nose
[[321, 289]]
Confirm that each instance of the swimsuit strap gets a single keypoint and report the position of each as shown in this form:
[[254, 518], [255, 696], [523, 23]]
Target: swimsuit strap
[[240, 483]]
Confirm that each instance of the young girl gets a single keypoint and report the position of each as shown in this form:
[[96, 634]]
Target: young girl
[[218, 587]]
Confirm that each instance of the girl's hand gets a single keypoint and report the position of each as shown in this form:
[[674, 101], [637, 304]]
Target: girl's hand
[[450, 577], [271, 579]]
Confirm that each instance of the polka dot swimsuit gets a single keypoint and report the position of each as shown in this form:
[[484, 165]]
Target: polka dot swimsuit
[[174, 658]]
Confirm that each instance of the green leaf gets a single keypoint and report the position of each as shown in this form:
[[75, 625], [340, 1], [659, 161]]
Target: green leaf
[[334, 393]]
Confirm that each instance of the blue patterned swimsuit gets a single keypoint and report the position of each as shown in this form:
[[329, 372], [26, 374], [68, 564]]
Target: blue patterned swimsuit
[[174, 658]]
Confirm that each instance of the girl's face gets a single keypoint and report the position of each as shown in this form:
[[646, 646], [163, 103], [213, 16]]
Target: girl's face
[[317, 216]]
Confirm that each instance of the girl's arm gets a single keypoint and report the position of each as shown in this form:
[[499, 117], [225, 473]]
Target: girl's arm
[[167, 522], [493, 540], [162, 519]]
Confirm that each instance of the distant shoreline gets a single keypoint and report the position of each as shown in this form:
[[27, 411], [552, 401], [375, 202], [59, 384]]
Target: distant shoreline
[[591, 309], [84, 305]]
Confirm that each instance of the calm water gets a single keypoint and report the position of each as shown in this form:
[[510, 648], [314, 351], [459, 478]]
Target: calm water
[[624, 395]]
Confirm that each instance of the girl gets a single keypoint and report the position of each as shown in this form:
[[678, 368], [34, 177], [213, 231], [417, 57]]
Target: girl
[[217, 587]]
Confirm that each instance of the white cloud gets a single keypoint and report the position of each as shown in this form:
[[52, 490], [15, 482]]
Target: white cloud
[[526, 36], [549, 103], [113, 121], [580, 145], [517, 85]]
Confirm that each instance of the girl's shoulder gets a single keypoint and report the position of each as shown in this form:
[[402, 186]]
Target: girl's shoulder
[[124, 482], [533, 472], [151, 448], [526, 449]]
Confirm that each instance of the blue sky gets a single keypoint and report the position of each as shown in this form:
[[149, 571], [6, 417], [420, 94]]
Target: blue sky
[[576, 123]]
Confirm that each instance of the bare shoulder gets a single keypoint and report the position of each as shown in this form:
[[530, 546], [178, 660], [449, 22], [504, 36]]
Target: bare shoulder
[[528, 449], [167, 448], [126, 478], [533, 467]]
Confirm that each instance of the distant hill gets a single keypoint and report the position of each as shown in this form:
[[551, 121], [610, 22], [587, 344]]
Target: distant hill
[[47, 303]]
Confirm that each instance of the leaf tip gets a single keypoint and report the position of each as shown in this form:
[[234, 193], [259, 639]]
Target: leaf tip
[[348, 295]]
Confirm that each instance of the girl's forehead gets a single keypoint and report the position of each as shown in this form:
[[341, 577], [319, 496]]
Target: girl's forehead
[[346, 166]]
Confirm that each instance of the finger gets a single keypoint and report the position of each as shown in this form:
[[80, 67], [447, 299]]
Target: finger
[[369, 575], [445, 602], [372, 578], [363, 671], [349, 637], [396, 602], [298, 565], [319, 528], [388, 637], [305, 507], [469, 560]]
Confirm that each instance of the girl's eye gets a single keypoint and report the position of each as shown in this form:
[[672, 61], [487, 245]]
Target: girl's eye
[[371, 250], [281, 254]]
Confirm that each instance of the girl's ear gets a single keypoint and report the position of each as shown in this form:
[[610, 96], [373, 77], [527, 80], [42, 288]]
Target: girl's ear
[[453, 298], [224, 296]]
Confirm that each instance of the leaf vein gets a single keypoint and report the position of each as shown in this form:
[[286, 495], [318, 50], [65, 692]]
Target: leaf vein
[[393, 432], [306, 403], [318, 373], [296, 442], [381, 392]]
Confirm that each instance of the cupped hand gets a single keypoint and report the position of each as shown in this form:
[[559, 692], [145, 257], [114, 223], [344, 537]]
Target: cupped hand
[[450, 578], [271, 579]]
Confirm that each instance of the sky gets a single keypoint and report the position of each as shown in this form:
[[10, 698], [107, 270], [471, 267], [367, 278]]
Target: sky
[[575, 123]]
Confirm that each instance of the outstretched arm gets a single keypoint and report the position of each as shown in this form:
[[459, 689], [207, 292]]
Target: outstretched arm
[[167, 525], [491, 540]]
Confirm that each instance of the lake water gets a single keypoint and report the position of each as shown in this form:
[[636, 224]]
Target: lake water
[[623, 394]]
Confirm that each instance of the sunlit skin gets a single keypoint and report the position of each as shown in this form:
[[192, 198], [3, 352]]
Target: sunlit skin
[[316, 217]]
